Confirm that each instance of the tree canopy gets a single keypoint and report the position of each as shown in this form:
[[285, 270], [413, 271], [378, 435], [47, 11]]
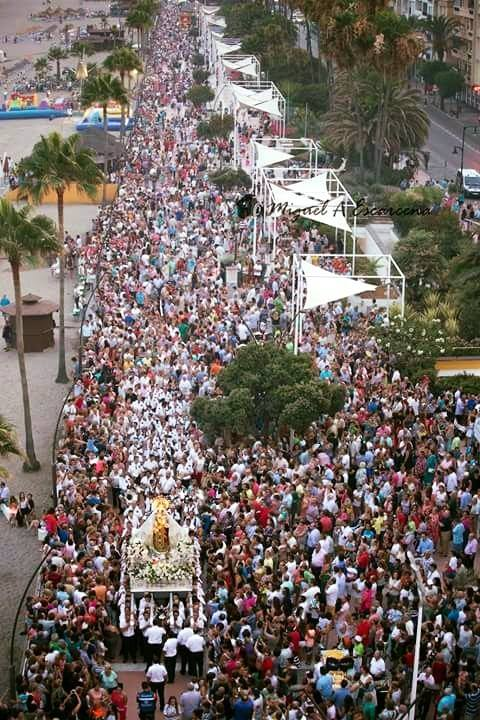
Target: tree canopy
[[266, 388]]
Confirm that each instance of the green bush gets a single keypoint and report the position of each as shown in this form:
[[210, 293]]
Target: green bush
[[228, 179], [200, 76], [200, 95], [395, 177], [217, 126], [469, 384]]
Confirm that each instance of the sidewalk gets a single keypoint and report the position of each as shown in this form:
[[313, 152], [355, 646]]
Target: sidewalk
[[20, 547]]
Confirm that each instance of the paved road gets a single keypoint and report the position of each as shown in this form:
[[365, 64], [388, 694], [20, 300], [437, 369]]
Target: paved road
[[445, 133]]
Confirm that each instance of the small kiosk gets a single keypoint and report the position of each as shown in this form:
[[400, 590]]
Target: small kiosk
[[38, 323]]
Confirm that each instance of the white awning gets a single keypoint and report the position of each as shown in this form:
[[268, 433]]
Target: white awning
[[245, 66], [324, 287], [285, 197], [262, 95], [242, 93], [250, 100], [210, 10], [269, 156], [217, 35], [328, 213], [220, 21], [271, 107], [315, 187], [224, 49]]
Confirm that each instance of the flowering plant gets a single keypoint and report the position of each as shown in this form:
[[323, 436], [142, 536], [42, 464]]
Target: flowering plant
[[412, 344], [154, 568]]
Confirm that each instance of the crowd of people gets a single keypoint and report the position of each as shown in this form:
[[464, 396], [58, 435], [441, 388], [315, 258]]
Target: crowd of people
[[307, 605]]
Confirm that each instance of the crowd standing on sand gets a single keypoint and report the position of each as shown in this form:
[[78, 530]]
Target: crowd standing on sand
[[308, 606]]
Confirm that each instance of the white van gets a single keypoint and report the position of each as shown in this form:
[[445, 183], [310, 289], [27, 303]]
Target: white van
[[469, 182]]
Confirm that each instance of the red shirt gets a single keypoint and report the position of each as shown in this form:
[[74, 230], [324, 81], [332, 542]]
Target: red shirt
[[363, 629], [363, 559], [326, 524], [51, 523], [294, 638]]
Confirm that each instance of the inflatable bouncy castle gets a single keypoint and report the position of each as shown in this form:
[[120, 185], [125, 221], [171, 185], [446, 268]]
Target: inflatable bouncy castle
[[21, 105], [93, 118]]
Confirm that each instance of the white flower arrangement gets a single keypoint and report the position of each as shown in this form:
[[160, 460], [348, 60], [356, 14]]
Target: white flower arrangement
[[144, 564]]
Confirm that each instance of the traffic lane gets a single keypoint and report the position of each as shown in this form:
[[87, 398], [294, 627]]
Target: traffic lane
[[454, 127], [443, 162]]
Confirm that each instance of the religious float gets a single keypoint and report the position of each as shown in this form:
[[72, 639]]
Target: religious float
[[160, 557]]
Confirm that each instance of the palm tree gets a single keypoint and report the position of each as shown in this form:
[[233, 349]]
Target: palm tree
[[443, 32], [363, 101], [406, 120], [23, 238], [140, 19], [81, 49], [8, 443], [101, 90], [41, 67], [57, 53], [55, 164], [348, 125], [123, 60]]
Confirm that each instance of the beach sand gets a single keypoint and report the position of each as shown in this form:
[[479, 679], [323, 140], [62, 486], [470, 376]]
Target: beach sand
[[15, 20], [17, 137]]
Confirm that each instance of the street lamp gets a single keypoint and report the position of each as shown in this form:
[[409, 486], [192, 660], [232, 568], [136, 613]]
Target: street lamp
[[462, 146], [418, 637]]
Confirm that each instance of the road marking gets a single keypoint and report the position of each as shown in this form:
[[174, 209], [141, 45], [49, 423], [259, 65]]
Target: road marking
[[455, 137]]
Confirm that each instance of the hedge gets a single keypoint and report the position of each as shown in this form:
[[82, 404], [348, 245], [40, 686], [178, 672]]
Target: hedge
[[469, 384]]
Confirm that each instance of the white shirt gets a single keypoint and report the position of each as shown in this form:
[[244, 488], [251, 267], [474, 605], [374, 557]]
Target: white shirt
[[157, 673], [184, 635], [154, 635], [170, 647], [195, 643], [377, 667]]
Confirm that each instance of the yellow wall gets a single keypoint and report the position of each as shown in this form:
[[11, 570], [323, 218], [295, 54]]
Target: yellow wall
[[73, 196], [458, 366]]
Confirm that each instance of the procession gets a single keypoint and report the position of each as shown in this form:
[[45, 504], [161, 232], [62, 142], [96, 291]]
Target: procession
[[295, 577]]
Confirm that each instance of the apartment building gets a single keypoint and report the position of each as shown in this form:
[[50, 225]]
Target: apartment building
[[467, 55], [417, 8]]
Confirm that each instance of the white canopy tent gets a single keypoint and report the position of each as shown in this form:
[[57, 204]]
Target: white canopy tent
[[328, 211], [259, 95], [220, 21], [315, 187], [246, 65], [266, 156], [223, 49], [323, 286], [313, 286]]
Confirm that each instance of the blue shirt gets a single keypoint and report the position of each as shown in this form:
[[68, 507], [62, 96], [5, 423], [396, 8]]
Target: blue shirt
[[325, 686], [458, 533], [425, 545], [446, 704], [243, 709]]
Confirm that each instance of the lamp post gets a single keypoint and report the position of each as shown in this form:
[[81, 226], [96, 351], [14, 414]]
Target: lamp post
[[462, 146], [418, 636]]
